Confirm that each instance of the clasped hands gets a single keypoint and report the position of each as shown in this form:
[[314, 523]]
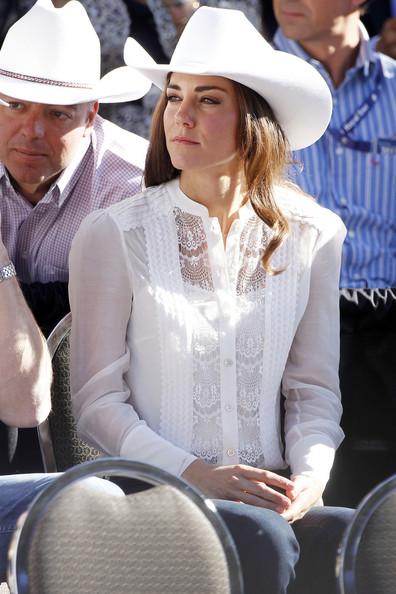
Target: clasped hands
[[291, 498]]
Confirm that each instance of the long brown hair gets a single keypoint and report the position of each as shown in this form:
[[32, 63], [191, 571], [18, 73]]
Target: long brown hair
[[264, 151]]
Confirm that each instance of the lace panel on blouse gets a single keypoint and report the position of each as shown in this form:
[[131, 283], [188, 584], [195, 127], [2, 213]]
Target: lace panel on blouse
[[196, 274], [193, 250], [251, 276], [250, 340]]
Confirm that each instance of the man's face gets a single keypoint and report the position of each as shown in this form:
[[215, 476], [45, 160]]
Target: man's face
[[38, 141], [311, 20]]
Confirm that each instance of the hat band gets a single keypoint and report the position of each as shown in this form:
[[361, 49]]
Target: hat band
[[45, 81]]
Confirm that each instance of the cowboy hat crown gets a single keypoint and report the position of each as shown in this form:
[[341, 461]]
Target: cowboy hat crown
[[52, 55], [223, 42]]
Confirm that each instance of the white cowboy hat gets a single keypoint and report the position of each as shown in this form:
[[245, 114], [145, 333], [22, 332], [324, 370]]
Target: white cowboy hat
[[52, 55], [223, 42]]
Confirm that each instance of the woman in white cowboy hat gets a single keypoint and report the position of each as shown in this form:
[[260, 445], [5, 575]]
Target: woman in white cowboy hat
[[198, 302]]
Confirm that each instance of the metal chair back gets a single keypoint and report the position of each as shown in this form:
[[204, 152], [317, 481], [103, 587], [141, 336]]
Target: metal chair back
[[163, 538], [60, 447]]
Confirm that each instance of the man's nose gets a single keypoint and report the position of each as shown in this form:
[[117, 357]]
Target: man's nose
[[34, 126]]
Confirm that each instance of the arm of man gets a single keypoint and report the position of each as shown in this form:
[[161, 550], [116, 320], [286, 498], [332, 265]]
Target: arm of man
[[25, 366]]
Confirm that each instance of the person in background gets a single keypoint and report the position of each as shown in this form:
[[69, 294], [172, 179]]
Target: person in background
[[380, 20], [58, 159], [351, 170], [196, 301]]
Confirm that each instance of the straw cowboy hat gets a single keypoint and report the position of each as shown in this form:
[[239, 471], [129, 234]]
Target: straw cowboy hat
[[52, 55], [222, 42]]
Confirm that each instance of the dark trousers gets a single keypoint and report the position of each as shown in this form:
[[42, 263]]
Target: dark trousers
[[368, 389], [279, 558]]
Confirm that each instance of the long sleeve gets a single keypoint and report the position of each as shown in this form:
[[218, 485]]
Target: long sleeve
[[101, 298], [310, 382]]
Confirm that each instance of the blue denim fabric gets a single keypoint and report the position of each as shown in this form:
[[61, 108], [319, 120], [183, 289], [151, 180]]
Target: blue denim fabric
[[16, 494], [17, 491]]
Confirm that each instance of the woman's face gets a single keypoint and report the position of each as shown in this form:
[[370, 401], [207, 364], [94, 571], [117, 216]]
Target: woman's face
[[201, 121]]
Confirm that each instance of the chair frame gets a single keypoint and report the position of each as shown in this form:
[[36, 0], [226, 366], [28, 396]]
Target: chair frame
[[349, 548], [18, 577], [44, 430]]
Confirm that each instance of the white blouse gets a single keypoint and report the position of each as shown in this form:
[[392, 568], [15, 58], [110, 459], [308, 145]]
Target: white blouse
[[180, 346]]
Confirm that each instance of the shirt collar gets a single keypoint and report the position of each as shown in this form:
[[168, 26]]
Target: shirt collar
[[366, 56], [188, 205], [68, 173]]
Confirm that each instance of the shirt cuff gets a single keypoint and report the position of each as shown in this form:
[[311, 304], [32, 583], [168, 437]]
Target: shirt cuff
[[142, 444], [310, 458]]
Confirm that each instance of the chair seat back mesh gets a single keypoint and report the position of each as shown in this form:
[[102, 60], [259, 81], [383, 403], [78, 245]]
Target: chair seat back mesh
[[376, 556], [152, 542], [366, 561]]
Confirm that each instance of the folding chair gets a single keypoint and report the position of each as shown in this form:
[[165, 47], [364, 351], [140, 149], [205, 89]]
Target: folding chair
[[60, 447], [165, 539], [366, 561]]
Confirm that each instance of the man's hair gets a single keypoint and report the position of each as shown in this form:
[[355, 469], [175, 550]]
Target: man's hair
[[264, 151]]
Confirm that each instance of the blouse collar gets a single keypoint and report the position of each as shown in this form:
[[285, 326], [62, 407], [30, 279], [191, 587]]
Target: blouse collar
[[192, 206]]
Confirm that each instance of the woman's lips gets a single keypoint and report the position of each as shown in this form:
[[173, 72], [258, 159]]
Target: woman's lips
[[184, 140]]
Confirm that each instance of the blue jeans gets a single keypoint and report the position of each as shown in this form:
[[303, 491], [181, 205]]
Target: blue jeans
[[279, 558], [17, 491]]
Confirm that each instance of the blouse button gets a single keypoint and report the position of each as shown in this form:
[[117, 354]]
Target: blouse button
[[228, 362], [230, 452], [228, 408]]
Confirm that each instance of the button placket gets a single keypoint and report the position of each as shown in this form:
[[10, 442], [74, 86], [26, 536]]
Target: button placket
[[222, 277]]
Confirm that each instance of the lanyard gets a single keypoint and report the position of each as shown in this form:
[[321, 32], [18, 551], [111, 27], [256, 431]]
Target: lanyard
[[342, 135]]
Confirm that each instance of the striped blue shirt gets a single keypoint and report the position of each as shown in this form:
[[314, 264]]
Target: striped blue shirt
[[359, 186]]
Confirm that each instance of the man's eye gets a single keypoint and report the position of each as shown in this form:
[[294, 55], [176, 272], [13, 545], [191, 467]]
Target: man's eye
[[61, 115], [14, 105]]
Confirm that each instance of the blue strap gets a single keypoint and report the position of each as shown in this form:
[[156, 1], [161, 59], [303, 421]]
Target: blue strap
[[342, 135]]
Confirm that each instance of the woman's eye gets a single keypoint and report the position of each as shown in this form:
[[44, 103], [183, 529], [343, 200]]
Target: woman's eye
[[172, 98], [210, 100]]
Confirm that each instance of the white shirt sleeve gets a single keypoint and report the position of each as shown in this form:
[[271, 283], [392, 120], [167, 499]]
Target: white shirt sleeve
[[101, 298], [310, 382]]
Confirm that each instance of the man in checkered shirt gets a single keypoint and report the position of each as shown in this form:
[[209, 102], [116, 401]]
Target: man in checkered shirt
[[59, 160]]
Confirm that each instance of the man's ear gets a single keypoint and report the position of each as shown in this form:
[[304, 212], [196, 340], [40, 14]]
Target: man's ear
[[92, 111]]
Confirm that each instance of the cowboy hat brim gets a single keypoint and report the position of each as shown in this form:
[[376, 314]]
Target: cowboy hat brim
[[297, 94], [121, 84]]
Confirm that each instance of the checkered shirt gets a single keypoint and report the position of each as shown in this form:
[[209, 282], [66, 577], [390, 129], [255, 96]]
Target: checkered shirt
[[38, 237]]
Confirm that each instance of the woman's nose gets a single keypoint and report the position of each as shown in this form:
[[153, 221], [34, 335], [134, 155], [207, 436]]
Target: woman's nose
[[185, 115]]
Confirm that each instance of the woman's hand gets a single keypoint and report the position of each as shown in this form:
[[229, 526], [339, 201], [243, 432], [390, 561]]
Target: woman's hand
[[241, 483], [304, 493]]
